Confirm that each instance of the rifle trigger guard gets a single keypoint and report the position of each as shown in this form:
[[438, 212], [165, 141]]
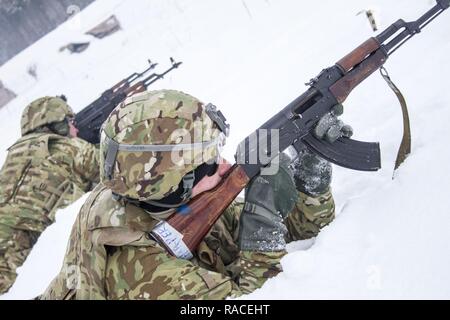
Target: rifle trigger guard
[[347, 153]]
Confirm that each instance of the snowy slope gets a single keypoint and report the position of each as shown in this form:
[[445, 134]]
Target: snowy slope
[[251, 58]]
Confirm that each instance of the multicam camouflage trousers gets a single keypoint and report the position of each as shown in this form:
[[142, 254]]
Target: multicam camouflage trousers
[[219, 270]]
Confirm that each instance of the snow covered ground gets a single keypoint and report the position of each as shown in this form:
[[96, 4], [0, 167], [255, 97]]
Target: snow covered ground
[[252, 57]]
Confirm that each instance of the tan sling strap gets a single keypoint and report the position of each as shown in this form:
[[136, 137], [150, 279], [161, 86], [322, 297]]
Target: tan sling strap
[[405, 146]]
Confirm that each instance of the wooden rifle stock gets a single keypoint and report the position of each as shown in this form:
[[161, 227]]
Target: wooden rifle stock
[[196, 219]]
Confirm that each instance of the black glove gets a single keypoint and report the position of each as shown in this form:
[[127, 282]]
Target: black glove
[[268, 200], [312, 174], [330, 128]]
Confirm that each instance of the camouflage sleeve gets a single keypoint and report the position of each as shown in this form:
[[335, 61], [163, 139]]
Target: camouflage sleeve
[[257, 268], [15, 246], [86, 162], [150, 273], [220, 252], [310, 215]]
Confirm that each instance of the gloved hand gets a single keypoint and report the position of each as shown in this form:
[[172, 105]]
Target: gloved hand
[[312, 174], [268, 200], [330, 128]]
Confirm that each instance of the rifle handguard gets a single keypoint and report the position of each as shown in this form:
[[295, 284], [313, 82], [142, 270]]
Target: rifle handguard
[[358, 55]]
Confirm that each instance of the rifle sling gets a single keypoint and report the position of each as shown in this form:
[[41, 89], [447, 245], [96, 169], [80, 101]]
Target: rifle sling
[[405, 147]]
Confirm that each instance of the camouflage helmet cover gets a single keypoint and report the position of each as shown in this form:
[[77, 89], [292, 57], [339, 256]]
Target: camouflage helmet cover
[[44, 111], [167, 121]]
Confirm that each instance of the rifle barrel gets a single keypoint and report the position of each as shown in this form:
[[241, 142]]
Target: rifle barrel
[[139, 75], [162, 75], [410, 28]]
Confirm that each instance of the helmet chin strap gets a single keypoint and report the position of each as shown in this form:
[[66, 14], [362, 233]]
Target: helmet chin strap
[[184, 192], [151, 206], [188, 186], [181, 196]]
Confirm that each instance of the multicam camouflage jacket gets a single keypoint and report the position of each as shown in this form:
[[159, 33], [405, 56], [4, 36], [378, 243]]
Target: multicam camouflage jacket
[[42, 172], [111, 254]]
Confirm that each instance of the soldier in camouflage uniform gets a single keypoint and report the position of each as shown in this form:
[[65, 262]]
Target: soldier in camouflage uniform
[[48, 168], [111, 253]]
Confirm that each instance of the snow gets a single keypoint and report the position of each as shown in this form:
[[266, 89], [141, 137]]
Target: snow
[[251, 58]]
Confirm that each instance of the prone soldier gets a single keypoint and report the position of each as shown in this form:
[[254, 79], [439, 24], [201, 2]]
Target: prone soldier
[[46, 169], [111, 252]]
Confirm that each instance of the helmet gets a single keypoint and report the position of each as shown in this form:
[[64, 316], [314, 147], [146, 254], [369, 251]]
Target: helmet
[[43, 112], [153, 142]]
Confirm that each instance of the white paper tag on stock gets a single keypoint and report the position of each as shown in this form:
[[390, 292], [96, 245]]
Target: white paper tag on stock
[[172, 239]]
